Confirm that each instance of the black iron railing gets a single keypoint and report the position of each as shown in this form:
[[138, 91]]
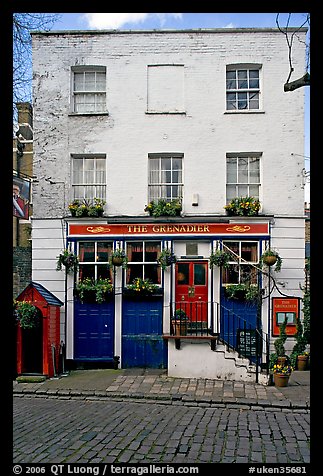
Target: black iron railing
[[193, 318]]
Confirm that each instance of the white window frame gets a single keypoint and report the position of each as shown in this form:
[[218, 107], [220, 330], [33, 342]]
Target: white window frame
[[249, 91], [95, 263], [96, 185], [162, 184], [238, 261], [143, 263], [100, 107], [238, 185]]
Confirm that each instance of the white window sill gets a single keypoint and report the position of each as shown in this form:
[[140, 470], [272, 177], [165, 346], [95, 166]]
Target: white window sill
[[166, 112], [245, 111], [88, 113]]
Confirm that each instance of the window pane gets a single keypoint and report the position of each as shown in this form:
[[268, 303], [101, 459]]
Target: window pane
[[231, 170], [254, 191], [89, 80], [254, 101], [78, 81], [86, 251], [100, 81], [86, 271], [199, 274], [166, 164], [243, 191], [135, 251], [249, 251], [104, 248], [152, 250], [254, 172], [231, 192], [242, 170], [103, 272], [78, 170], [134, 271], [230, 275], [248, 274], [177, 164], [152, 272], [242, 101], [183, 273]]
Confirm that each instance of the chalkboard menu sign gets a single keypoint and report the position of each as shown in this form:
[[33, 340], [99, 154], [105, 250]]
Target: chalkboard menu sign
[[247, 342]]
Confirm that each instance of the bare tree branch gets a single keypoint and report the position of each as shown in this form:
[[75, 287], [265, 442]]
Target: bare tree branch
[[23, 24], [304, 80]]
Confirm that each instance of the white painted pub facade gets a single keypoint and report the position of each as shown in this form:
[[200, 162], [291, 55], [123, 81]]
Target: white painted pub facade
[[198, 116]]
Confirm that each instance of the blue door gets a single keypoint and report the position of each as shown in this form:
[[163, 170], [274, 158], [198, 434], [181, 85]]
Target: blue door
[[142, 328], [93, 331]]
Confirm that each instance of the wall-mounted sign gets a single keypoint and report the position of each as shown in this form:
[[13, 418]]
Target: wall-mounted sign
[[166, 229], [285, 308], [21, 197]]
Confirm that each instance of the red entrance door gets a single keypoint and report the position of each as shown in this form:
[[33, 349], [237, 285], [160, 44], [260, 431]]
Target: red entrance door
[[191, 292]]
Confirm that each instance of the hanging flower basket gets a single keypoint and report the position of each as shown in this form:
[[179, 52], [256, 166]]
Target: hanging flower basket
[[119, 258], [166, 258], [271, 257], [219, 258], [27, 314], [67, 259]]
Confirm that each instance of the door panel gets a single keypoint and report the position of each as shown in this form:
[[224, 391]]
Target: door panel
[[191, 292]]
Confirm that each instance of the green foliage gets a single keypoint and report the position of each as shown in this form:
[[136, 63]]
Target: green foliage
[[166, 258], [67, 259], [162, 207], [119, 255], [100, 287], [279, 343], [141, 286], [247, 292], [243, 206], [268, 253], [219, 258], [87, 208], [27, 314]]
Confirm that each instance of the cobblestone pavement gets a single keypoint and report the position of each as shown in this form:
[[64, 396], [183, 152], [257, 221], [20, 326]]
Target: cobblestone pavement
[[155, 384], [52, 429]]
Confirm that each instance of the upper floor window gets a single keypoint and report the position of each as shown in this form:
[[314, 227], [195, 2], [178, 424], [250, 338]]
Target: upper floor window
[[243, 176], [89, 176], [89, 89], [242, 88], [165, 176]]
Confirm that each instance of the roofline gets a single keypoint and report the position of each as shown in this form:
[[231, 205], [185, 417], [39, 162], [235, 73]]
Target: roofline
[[194, 30]]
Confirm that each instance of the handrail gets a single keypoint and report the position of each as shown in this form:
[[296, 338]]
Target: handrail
[[191, 318]]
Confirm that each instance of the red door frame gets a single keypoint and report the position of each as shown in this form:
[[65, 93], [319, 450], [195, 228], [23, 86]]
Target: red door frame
[[190, 296]]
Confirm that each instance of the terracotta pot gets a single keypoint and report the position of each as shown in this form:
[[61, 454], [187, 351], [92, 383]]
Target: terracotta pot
[[302, 362], [180, 328], [270, 260], [281, 380], [116, 261], [282, 361]]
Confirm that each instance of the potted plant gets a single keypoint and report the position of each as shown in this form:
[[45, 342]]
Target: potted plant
[[298, 356], [91, 290], [281, 374], [141, 287], [219, 258], [163, 207], [67, 259], [243, 206], [119, 258], [280, 357], [271, 257], [179, 321], [166, 258], [27, 314], [242, 292], [87, 208]]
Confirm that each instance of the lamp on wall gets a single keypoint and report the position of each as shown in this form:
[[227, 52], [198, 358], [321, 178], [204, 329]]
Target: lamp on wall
[[195, 199]]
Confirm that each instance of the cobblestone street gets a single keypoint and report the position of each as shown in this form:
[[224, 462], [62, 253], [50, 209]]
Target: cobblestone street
[[55, 430]]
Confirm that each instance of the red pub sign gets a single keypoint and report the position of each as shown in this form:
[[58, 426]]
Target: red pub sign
[[285, 308], [169, 229]]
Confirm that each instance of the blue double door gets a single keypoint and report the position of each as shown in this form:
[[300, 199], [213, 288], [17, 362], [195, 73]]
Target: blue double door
[[142, 329]]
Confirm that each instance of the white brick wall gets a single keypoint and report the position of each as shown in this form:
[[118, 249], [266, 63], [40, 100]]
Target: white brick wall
[[205, 134]]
